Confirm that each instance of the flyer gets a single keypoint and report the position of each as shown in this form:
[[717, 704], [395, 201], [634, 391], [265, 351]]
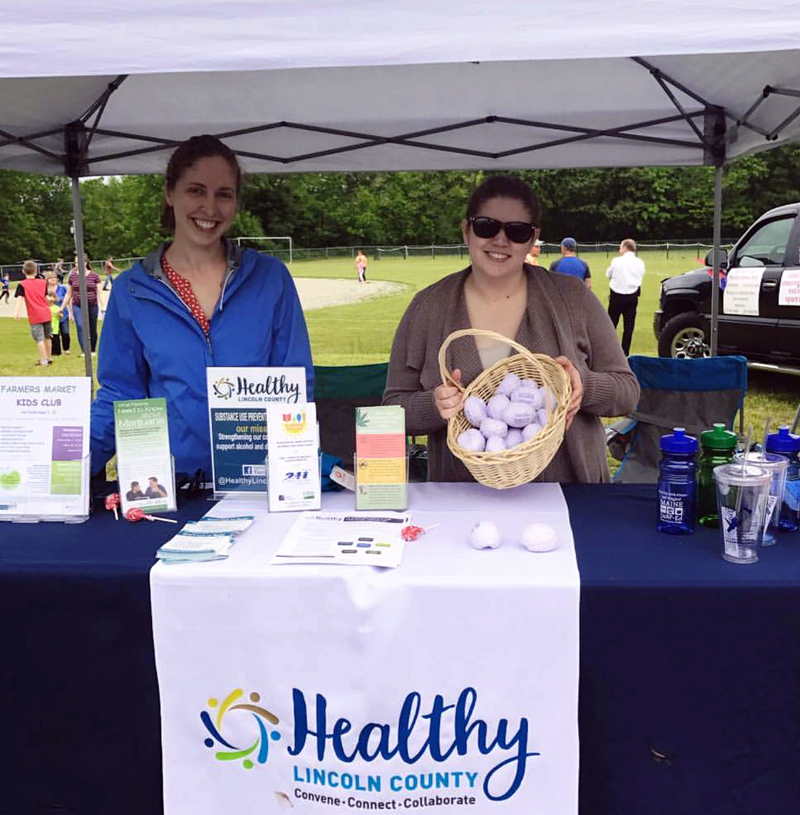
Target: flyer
[[742, 289], [381, 464], [144, 462], [237, 399], [293, 458], [44, 446], [345, 539]]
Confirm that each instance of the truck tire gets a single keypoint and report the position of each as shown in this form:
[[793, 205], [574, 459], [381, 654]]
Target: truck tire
[[684, 337]]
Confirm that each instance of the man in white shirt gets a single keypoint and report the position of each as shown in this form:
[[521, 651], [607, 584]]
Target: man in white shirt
[[625, 281]]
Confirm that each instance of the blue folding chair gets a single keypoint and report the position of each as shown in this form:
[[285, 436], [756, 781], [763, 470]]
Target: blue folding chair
[[690, 393]]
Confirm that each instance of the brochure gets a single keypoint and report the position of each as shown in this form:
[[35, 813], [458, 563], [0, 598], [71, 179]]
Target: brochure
[[293, 458], [381, 465], [44, 447], [345, 539], [237, 399], [144, 463]]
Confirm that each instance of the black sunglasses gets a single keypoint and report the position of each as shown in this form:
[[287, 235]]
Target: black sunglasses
[[516, 231]]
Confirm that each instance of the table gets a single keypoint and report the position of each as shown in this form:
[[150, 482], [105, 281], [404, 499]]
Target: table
[[690, 667]]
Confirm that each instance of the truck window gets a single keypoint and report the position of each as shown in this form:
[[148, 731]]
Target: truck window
[[767, 245]]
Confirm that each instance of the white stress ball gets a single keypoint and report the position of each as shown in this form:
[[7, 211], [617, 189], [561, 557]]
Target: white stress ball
[[497, 405], [509, 384], [485, 535], [518, 414], [542, 417], [513, 437], [494, 427], [494, 444], [539, 538], [548, 394], [472, 439], [528, 393], [475, 410], [530, 430]]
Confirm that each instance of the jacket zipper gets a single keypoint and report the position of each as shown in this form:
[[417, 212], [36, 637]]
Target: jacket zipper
[[189, 311]]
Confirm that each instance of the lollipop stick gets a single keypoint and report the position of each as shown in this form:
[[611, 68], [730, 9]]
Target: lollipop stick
[[116, 513], [163, 520]]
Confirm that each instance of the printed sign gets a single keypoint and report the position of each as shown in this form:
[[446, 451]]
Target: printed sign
[[44, 444], [789, 293], [237, 400], [741, 291]]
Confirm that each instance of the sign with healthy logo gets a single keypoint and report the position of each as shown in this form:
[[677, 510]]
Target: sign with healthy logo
[[447, 685], [44, 447], [237, 400]]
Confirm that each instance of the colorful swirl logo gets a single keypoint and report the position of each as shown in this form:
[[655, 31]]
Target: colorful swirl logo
[[223, 388], [258, 751]]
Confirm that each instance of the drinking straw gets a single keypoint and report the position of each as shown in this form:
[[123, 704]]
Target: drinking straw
[[796, 420], [744, 462], [766, 435]]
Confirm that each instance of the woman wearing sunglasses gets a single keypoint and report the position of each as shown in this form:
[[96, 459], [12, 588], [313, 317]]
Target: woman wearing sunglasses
[[551, 314]]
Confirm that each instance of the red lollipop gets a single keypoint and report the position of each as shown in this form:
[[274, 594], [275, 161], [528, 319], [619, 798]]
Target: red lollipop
[[135, 514], [112, 502]]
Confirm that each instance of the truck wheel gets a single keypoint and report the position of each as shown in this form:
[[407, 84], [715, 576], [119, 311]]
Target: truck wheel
[[684, 337]]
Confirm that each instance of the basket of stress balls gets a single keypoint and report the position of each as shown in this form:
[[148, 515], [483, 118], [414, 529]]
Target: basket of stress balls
[[514, 415]]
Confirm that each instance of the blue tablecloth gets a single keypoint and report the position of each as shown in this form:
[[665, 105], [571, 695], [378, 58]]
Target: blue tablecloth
[[690, 667]]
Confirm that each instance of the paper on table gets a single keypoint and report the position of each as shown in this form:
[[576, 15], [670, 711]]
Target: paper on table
[[345, 538]]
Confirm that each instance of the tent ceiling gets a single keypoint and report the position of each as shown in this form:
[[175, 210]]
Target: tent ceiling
[[387, 86]]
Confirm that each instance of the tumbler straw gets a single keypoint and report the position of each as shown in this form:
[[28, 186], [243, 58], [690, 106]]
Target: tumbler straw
[[744, 463], [766, 436], [796, 420]]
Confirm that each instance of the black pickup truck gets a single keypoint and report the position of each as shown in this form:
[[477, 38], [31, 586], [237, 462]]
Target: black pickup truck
[[768, 333]]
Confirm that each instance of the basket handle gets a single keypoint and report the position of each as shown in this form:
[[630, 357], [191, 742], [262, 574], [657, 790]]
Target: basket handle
[[474, 332]]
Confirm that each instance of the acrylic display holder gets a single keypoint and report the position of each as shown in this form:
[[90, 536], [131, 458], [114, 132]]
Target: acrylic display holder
[[393, 499], [33, 508], [145, 506]]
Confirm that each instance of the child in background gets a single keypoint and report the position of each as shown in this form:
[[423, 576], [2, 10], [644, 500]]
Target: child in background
[[34, 291], [5, 294], [55, 314]]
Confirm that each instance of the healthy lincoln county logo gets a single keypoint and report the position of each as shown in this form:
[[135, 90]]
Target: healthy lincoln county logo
[[230, 706], [223, 388], [294, 422]]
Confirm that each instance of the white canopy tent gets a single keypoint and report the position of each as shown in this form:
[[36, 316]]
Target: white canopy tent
[[308, 85]]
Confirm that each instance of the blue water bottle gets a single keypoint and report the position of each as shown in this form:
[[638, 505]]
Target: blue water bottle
[[788, 445], [677, 483]]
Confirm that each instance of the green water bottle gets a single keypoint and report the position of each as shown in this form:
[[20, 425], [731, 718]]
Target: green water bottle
[[718, 446]]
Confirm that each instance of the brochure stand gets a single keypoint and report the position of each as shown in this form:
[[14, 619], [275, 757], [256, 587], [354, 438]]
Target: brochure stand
[[377, 487], [26, 502], [162, 506], [266, 464]]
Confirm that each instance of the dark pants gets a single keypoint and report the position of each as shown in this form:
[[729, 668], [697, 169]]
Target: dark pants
[[624, 305], [77, 312]]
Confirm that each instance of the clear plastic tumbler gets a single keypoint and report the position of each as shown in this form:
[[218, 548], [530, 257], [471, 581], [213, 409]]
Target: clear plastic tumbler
[[777, 465], [742, 500]]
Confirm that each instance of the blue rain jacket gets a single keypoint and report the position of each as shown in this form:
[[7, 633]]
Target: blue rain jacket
[[151, 346]]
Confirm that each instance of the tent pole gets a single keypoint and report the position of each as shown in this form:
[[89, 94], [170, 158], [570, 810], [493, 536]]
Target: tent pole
[[77, 214], [716, 258]]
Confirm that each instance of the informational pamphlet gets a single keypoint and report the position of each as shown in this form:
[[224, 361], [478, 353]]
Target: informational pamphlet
[[381, 465], [345, 539], [293, 455], [44, 447], [237, 399], [144, 462]]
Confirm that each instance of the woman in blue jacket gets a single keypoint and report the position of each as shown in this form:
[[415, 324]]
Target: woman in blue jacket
[[196, 302]]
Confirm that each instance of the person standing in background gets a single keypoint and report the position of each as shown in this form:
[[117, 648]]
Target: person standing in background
[[570, 263], [5, 293], [532, 258], [361, 266], [73, 301], [625, 285]]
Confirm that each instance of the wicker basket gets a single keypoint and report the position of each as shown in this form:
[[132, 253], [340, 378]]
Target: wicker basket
[[520, 464]]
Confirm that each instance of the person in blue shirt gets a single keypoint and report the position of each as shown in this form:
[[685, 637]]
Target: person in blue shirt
[[195, 302], [570, 263]]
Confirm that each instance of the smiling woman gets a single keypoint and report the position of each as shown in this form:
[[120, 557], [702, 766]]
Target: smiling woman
[[195, 302], [547, 313]]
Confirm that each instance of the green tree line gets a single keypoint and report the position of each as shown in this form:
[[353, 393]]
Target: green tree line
[[122, 214]]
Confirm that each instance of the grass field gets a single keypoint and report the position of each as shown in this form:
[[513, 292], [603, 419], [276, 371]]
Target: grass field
[[362, 332]]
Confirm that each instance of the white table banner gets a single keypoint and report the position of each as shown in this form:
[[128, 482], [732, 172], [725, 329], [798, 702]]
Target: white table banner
[[449, 682]]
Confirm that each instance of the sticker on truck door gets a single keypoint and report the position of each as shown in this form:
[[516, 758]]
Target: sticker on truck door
[[789, 294], [741, 291]]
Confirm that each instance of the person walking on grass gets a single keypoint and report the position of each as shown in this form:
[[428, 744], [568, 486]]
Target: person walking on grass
[[569, 262], [361, 266], [5, 293], [33, 291]]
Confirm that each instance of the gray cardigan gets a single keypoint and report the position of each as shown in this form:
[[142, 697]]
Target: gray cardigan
[[563, 317]]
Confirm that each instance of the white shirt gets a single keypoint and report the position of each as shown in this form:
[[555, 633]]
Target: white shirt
[[625, 273]]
